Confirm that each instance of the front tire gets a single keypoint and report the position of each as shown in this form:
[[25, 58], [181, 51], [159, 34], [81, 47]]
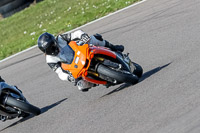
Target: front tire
[[26, 107], [138, 70], [117, 75]]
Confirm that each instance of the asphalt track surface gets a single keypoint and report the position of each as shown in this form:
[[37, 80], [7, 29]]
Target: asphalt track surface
[[162, 36]]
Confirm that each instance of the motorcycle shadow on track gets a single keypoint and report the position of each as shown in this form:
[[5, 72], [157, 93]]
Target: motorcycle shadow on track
[[43, 110], [144, 76]]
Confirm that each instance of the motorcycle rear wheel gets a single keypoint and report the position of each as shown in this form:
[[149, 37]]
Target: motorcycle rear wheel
[[122, 77], [26, 107]]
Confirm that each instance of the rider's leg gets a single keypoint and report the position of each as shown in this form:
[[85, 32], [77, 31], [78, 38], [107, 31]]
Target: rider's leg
[[99, 41]]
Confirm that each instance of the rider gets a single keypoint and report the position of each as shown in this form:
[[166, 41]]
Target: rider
[[52, 46]]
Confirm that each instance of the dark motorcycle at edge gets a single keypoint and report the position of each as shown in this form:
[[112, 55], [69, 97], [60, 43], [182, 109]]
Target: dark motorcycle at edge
[[13, 104]]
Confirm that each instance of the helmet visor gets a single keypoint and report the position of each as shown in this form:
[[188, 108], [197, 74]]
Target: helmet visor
[[52, 49]]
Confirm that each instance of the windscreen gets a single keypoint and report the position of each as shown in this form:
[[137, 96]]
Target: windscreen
[[67, 54]]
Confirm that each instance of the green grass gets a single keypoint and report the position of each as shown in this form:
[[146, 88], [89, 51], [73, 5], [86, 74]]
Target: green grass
[[22, 30]]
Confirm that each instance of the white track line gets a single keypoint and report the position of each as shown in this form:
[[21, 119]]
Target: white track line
[[78, 28]]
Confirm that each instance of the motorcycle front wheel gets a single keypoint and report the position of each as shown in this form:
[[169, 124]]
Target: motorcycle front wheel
[[24, 106], [138, 70], [122, 77]]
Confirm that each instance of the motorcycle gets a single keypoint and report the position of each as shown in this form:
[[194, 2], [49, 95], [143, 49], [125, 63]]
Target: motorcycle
[[13, 104], [100, 65]]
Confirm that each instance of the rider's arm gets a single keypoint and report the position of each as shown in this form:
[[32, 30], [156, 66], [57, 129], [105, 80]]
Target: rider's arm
[[54, 64], [96, 39], [78, 35], [61, 74]]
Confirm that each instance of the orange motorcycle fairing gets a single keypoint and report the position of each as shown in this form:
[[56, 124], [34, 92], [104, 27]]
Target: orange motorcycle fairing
[[82, 59], [79, 61], [103, 51]]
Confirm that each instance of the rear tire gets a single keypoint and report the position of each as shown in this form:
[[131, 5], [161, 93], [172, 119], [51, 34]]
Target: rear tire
[[117, 75], [26, 107]]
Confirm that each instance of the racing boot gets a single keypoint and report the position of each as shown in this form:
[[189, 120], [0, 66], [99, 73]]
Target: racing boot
[[114, 47], [84, 86]]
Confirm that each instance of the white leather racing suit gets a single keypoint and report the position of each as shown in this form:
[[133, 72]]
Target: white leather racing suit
[[55, 61]]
